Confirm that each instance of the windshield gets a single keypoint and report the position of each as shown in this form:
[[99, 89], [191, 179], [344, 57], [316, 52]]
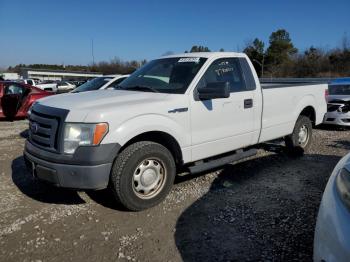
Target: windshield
[[339, 89], [167, 75], [93, 84]]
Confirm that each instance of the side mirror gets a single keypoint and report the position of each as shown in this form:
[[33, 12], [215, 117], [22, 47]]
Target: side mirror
[[214, 90]]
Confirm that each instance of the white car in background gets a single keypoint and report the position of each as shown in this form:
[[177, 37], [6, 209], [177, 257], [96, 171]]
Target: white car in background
[[31, 82], [338, 111], [332, 234], [48, 85], [64, 86], [103, 82]]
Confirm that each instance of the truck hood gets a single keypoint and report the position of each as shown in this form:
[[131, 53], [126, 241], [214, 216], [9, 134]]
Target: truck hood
[[93, 100], [105, 105]]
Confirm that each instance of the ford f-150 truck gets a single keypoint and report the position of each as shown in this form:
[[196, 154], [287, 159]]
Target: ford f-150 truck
[[181, 112]]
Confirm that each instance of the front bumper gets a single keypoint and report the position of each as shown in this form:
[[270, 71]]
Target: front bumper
[[87, 168], [337, 118], [332, 233]]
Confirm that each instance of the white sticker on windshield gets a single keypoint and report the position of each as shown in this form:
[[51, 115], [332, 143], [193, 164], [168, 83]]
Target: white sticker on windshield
[[189, 60]]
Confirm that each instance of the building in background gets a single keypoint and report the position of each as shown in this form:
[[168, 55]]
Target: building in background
[[46, 74], [9, 76]]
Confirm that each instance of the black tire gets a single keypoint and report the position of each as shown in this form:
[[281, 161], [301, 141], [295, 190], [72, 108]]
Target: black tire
[[293, 142], [126, 166]]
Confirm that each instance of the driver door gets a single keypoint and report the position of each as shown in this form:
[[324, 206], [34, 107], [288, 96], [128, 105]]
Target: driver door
[[11, 100], [223, 124]]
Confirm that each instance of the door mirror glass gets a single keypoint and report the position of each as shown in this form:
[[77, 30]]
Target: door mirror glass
[[214, 90]]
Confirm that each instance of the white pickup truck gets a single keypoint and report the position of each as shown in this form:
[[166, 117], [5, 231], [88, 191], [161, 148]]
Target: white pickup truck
[[188, 112]]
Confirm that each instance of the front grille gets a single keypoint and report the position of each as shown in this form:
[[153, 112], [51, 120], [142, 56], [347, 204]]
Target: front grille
[[45, 124], [346, 120], [330, 119], [43, 130]]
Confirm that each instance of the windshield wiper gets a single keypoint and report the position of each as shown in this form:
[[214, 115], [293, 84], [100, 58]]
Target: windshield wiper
[[141, 88]]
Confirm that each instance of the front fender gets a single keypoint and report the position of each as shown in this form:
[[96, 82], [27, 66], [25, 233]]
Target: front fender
[[133, 127]]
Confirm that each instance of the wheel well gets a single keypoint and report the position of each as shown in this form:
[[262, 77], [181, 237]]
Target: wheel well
[[162, 138], [309, 112]]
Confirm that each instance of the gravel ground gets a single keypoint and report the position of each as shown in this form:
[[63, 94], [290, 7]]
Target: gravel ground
[[263, 208]]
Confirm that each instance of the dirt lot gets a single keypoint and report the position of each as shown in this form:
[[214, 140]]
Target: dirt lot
[[260, 209]]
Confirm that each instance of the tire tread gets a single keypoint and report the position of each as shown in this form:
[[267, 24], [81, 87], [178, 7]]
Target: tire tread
[[118, 167]]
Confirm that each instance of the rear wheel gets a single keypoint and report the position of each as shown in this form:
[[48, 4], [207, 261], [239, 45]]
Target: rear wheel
[[142, 175], [300, 140]]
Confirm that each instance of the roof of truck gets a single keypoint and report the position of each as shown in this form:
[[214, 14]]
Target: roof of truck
[[207, 54]]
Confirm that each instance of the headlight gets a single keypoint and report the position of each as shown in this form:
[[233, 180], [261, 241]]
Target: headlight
[[76, 135], [343, 186]]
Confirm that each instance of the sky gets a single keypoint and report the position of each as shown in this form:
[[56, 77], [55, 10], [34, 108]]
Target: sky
[[61, 31]]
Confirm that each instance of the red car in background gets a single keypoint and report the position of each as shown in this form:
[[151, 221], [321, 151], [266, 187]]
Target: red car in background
[[17, 98]]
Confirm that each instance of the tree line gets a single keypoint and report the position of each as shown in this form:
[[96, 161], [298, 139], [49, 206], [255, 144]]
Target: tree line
[[279, 59], [282, 59]]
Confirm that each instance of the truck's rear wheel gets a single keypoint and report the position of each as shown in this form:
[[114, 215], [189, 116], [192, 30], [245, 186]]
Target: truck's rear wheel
[[142, 175], [300, 140]]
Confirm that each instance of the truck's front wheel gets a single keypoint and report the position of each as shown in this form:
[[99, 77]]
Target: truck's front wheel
[[300, 140], [142, 175]]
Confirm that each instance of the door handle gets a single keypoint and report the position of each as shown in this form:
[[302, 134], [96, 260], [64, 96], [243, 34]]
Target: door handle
[[248, 103]]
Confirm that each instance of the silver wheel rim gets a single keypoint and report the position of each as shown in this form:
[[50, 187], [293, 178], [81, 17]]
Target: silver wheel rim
[[303, 136], [149, 178]]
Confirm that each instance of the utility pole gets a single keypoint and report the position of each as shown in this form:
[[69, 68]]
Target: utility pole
[[92, 51]]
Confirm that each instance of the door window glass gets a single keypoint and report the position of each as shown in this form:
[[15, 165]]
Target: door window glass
[[13, 89], [225, 70]]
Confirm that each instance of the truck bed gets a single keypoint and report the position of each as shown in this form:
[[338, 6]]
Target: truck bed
[[267, 85], [282, 104]]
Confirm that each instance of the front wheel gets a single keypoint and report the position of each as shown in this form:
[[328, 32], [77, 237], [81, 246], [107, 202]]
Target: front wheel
[[142, 175], [300, 140]]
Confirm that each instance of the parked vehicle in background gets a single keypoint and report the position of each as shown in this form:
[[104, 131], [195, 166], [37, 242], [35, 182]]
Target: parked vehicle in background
[[189, 112], [78, 83], [103, 82], [17, 98], [339, 103], [31, 82], [332, 234], [48, 85], [65, 86]]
